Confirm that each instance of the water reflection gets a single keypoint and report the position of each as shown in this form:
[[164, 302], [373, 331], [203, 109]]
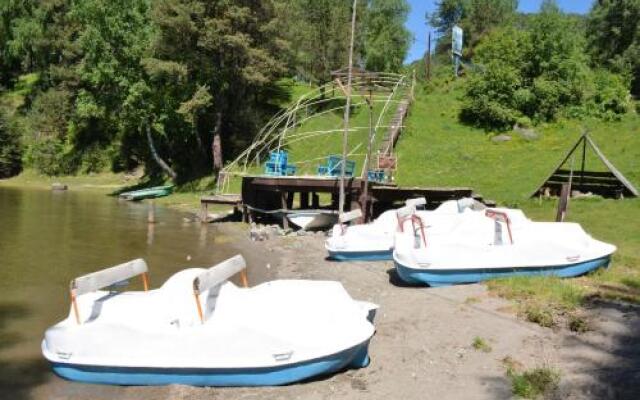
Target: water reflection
[[48, 238]]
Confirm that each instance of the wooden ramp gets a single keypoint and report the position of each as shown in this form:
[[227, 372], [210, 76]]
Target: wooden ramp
[[395, 128], [609, 183]]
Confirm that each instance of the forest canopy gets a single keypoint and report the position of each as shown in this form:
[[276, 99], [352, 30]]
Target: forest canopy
[[177, 86], [531, 68]]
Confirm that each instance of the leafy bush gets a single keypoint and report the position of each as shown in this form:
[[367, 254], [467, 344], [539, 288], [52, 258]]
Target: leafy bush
[[535, 382], [10, 150], [47, 157], [539, 73], [481, 345]]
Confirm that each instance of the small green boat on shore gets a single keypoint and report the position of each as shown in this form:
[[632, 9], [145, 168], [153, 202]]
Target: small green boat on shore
[[148, 193]]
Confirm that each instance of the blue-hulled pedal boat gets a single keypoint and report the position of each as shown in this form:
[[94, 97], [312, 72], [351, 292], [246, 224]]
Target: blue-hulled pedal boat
[[489, 246], [200, 329]]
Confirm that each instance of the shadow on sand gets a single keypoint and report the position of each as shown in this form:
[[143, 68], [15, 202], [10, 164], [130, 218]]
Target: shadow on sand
[[609, 368]]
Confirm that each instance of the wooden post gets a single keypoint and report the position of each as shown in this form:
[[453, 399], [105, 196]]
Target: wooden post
[[245, 214], [563, 201], [347, 109], [584, 159], [204, 211], [285, 221], [290, 198], [364, 200], [315, 200], [304, 200]]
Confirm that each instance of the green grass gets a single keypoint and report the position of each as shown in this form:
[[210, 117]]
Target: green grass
[[12, 100], [534, 383], [326, 125], [481, 345], [437, 150]]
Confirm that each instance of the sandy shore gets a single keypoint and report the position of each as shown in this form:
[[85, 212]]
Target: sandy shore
[[423, 345]]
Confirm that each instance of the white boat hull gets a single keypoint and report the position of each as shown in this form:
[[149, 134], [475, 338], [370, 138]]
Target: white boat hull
[[312, 219], [249, 337], [475, 251]]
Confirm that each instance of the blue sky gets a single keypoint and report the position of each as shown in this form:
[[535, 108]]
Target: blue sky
[[416, 21]]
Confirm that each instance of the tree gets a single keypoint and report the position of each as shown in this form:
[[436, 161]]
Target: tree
[[448, 13], [386, 40], [319, 31], [539, 73], [475, 17], [10, 149], [613, 34], [228, 54]]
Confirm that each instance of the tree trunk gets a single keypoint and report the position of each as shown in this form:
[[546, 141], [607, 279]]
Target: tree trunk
[[216, 145], [165, 167]]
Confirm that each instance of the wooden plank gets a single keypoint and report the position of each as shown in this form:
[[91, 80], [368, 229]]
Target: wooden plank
[[586, 179], [231, 199], [285, 221], [390, 194], [605, 191], [603, 174]]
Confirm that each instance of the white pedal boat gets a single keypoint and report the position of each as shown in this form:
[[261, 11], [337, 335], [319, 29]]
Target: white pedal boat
[[200, 329], [490, 245], [312, 219], [374, 241]]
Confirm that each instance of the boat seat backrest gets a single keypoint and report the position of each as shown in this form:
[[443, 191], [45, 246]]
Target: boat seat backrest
[[350, 216], [210, 282], [219, 274], [404, 214], [417, 202], [107, 277]]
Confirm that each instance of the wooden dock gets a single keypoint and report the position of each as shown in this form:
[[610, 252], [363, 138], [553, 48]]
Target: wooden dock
[[275, 195]]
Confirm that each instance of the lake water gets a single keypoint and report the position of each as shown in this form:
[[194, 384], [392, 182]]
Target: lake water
[[48, 238]]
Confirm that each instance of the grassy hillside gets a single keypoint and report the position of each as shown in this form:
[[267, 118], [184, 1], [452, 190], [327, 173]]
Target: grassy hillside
[[318, 130], [436, 150]]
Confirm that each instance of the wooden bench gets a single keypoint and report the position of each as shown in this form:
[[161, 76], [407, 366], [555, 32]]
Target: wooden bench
[[234, 200]]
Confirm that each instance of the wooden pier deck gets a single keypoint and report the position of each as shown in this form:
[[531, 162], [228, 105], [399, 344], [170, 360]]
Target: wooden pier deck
[[263, 195]]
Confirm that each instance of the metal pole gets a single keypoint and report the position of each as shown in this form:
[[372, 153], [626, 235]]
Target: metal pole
[[429, 56], [347, 110], [367, 161]]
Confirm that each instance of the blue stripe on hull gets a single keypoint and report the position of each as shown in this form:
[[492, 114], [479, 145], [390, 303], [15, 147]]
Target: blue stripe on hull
[[355, 357], [381, 255], [436, 277]]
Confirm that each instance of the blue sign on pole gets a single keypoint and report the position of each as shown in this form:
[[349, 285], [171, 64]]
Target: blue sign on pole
[[457, 35], [456, 47]]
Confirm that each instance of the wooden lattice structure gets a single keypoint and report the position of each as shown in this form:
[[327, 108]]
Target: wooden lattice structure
[[610, 183]]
